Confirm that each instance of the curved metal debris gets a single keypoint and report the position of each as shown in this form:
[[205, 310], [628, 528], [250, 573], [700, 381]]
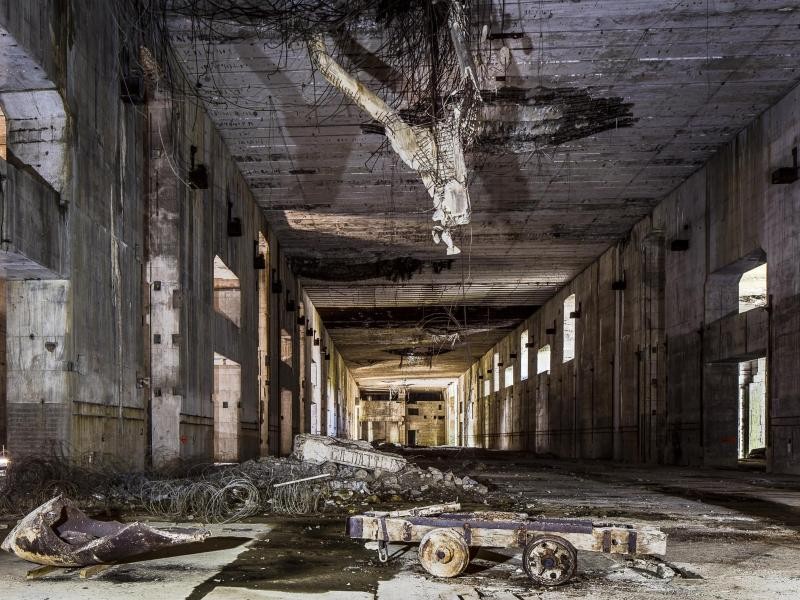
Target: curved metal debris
[[61, 535]]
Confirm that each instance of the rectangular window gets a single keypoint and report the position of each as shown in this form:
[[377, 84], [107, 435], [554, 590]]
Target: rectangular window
[[753, 288], [286, 347], [496, 371], [523, 355], [569, 328], [487, 387], [2, 135], [543, 360], [509, 376], [227, 292]]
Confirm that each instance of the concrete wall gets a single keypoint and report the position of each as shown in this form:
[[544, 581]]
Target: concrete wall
[[392, 420], [427, 420], [113, 353], [382, 420], [655, 375], [337, 390], [2, 363]]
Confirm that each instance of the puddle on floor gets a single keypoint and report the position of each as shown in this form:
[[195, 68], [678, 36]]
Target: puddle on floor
[[303, 555]]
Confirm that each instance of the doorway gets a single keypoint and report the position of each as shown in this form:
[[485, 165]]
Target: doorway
[[752, 411], [412, 437], [286, 422], [227, 398], [262, 261]]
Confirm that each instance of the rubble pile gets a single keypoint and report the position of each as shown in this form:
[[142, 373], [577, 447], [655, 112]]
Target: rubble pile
[[361, 473], [322, 474], [411, 484]]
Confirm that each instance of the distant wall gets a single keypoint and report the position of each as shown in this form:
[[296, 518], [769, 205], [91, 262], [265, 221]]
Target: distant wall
[[393, 420], [654, 374], [427, 420]]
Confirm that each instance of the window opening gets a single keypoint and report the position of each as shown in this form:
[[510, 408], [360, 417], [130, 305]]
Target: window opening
[[227, 292], [523, 355], [543, 360], [569, 328]]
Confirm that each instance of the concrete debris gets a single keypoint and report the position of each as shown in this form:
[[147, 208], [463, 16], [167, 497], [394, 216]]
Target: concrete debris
[[319, 449], [652, 567], [412, 484], [470, 484], [59, 534], [323, 474]]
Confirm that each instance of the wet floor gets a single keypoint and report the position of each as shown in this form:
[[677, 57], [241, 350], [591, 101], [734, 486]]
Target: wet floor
[[304, 555]]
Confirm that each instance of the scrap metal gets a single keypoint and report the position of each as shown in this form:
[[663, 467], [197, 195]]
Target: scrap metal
[[59, 534]]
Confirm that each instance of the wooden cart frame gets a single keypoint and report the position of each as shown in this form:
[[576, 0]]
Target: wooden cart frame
[[549, 546]]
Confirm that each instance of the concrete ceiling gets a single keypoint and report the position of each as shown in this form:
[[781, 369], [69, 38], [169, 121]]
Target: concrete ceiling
[[679, 78]]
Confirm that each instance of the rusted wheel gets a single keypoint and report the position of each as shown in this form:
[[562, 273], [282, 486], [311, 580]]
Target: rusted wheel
[[443, 553], [550, 560]]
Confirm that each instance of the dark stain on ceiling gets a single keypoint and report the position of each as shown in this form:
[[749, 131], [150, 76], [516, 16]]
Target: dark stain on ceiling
[[521, 120], [393, 269]]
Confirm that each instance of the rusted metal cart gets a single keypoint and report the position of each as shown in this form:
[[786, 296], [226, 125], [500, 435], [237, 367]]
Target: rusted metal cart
[[549, 546]]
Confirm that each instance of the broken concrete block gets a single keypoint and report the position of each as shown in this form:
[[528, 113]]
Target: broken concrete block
[[319, 449], [468, 483], [652, 567], [362, 475], [435, 473]]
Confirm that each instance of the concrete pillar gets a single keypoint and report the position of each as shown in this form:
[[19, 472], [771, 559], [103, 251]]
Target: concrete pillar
[[2, 358], [39, 376], [163, 279]]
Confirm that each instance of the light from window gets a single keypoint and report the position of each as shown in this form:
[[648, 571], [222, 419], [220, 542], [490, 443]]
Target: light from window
[[569, 329], [286, 347], [543, 360], [496, 371], [509, 376], [227, 292], [753, 288], [523, 355], [487, 387], [2, 135]]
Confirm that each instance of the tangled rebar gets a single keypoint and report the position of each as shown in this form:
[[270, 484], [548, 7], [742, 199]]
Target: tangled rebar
[[201, 492]]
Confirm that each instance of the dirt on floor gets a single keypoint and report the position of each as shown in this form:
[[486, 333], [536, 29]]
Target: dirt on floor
[[731, 535]]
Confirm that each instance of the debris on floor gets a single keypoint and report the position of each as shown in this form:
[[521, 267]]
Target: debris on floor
[[59, 534], [319, 449], [324, 474]]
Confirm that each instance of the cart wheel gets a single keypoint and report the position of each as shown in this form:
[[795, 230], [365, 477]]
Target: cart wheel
[[443, 553], [550, 560]]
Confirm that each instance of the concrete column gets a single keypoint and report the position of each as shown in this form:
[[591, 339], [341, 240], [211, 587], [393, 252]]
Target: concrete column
[[163, 278], [39, 374], [2, 361]]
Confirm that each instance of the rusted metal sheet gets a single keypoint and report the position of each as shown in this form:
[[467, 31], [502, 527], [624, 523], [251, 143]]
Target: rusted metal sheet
[[59, 534]]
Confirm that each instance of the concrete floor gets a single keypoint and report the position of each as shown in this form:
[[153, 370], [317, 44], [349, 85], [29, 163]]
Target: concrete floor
[[733, 534]]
